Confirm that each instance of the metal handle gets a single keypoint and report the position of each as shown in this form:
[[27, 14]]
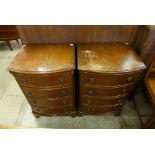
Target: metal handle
[[61, 80], [89, 101], [34, 102], [65, 109], [123, 90], [62, 92], [90, 91], [29, 93], [92, 79], [64, 103], [130, 78], [24, 81]]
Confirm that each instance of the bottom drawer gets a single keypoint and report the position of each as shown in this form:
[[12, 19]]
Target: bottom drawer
[[103, 102], [54, 111], [50, 102], [97, 110]]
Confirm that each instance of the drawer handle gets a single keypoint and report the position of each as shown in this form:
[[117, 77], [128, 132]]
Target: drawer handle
[[29, 93], [64, 103], [66, 110], [62, 92], [34, 102], [124, 90], [130, 79], [89, 101], [92, 79], [119, 100], [61, 80], [90, 91], [24, 81]]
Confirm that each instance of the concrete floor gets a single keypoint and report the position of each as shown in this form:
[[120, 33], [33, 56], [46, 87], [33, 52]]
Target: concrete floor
[[15, 110]]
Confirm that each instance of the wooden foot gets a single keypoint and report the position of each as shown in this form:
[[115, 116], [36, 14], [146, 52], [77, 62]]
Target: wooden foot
[[8, 43], [17, 41], [36, 116]]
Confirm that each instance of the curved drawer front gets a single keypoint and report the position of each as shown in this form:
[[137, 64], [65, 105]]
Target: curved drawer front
[[47, 93], [37, 80], [50, 103], [106, 91], [55, 111], [108, 79], [103, 102], [100, 110]]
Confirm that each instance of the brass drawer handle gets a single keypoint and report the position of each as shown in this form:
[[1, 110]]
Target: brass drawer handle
[[89, 101], [66, 110], [123, 90], [64, 103], [24, 81], [90, 92], [29, 93], [34, 102], [92, 79], [130, 79], [119, 100], [61, 80], [63, 92]]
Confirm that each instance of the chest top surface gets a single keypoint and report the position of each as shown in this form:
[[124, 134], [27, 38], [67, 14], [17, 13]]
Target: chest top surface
[[43, 58], [108, 58]]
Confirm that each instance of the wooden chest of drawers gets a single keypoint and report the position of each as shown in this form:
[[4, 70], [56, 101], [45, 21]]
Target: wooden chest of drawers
[[45, 74], [107, 73]]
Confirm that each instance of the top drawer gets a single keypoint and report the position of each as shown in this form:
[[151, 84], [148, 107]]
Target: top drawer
[[46, 80], [108, 79]]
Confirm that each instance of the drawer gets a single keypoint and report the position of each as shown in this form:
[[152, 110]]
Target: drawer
[[47, 93], [50, 80], [108, 79], [50, 103], [106, 91], [96, 110], [54, 111], [103, 102]]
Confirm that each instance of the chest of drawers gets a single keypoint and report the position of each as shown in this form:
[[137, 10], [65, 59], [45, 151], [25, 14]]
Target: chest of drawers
[[45, 73], [107, 73]]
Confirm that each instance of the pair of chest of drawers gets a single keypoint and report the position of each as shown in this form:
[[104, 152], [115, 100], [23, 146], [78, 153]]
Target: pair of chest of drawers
[[48, 77], [45, 74], [108, 73]]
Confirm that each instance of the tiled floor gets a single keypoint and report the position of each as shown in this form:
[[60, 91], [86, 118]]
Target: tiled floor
[[15, 110]]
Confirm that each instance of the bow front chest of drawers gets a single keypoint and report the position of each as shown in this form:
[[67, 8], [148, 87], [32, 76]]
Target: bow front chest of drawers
[[107, 73], [45, 73]]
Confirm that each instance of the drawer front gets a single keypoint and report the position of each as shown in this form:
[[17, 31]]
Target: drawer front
[[103, 102], [106, 91], [47, 93], [94, 110], [54, 111], [55, 79], [50, 103], [110, 79]]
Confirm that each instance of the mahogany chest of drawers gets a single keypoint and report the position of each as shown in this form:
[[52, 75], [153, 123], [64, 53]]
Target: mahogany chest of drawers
[[107, 74], [45, 73]]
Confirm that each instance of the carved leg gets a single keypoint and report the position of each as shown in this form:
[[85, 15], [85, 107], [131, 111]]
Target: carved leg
[[8, 43], [17, 41], [149, 123], [36, 115]]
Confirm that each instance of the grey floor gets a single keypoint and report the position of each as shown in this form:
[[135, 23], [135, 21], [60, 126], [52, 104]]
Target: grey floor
[[15, 110]]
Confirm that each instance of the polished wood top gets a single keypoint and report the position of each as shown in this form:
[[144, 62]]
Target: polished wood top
[[44, 58], [110, 57]]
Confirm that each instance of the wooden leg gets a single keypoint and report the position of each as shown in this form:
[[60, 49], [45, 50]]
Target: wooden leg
[[17, 41], [36, 115], [8, 43], [149, 123]]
